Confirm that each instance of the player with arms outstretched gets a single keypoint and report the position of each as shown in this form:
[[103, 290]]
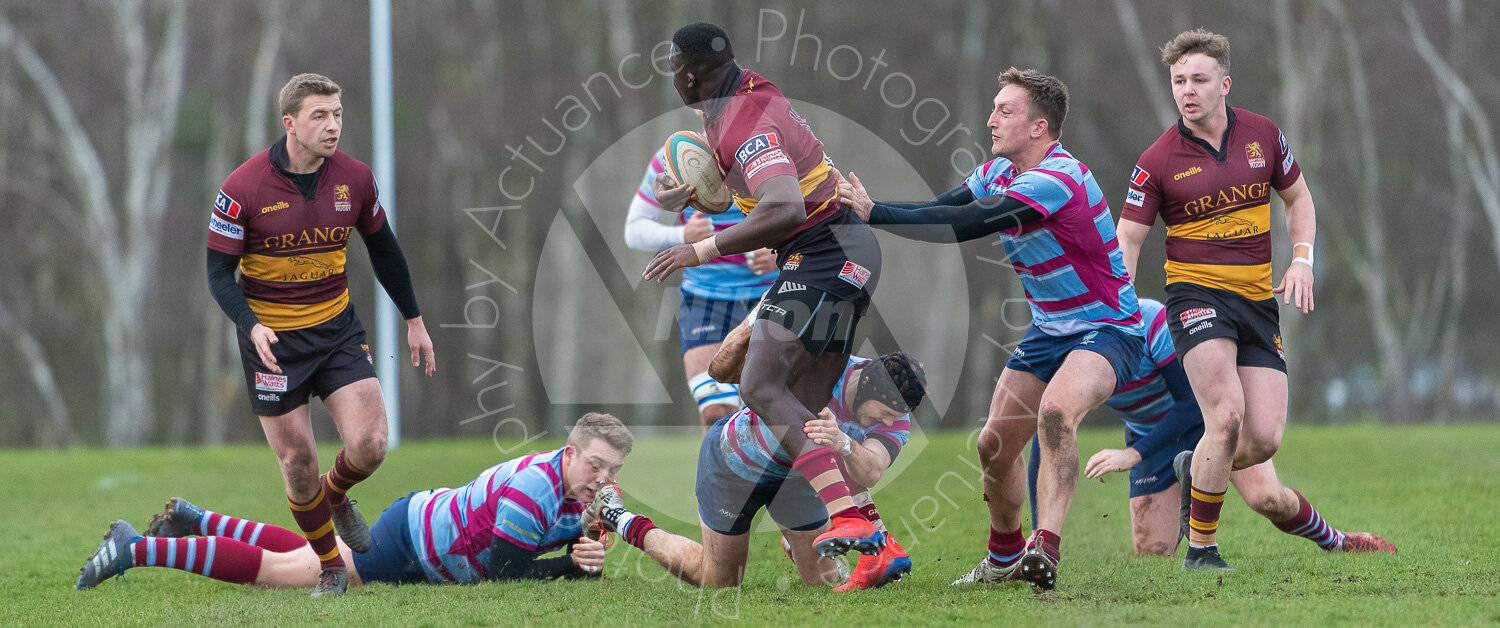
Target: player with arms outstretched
[[496, 527]]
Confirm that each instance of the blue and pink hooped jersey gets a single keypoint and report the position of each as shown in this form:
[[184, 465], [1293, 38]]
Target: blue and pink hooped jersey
[[519, 500], [726, 278], [1069, 262], [752, 451], [1143, 403]]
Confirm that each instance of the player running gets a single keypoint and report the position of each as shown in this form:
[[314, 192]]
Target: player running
[[829, 260], [715, 295], [284, 218], [1161, 419], [742, 469], [494, 528], [1086, 337], [1209, 178]]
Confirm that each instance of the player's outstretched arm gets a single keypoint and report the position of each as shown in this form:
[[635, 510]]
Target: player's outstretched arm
[[391, 270], [866, 461], [508, 561], [778, 212], [950, 223]]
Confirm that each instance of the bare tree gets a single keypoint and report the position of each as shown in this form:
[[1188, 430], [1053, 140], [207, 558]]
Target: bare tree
[[122, 230]]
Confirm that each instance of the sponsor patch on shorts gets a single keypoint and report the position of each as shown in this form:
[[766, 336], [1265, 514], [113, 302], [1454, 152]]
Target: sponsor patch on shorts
[[793, 261], [270, 382], [855, 274], [1188, 318]]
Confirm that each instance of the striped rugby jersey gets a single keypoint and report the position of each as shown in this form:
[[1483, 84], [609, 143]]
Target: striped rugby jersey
[[726, 278], [1216, 204], [519, 500], [1069, 262], [1143, 403], [756, 135], [292, 249], [752, 451]]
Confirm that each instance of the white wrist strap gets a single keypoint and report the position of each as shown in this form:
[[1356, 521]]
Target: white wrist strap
[[1309, 258], [848, 446], [707, 248], [1302, 260]]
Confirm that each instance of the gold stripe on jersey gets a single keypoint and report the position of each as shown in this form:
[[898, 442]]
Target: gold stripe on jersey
[[299, 268], [293, 316], [1252, 281], [1240, 223], [808, 183]]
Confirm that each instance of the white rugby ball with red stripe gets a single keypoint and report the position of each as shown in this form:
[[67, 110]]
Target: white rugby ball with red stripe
[[691, 161]]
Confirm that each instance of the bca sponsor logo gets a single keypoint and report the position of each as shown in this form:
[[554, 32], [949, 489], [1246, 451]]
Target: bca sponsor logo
[[273, 383], [225, 228], [1135, 197], [1196, 315], [855, 274], [1139, 176], [229, 206], [755, 146]]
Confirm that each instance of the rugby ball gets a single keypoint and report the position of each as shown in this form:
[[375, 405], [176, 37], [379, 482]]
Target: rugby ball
[[691, 161]]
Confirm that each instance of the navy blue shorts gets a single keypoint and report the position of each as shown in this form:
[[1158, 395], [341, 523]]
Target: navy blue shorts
[[703, 321], [391, 558], [1154, 475], [727, 503], [1042, 355]]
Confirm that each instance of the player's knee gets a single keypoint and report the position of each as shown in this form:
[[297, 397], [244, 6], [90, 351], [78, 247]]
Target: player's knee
[[1053, 425], [371, 451], [1255, 453], [1153, 547], [989, 444], [760, 395]]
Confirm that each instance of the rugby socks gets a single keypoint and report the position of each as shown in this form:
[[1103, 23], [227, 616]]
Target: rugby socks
[[1203, 522], [1051, 543], [1006, 547], [342, 477], [821, 468], [630, 526], [873, 516], [263, 535], [1308, 524], [217, 557], [315, 518]]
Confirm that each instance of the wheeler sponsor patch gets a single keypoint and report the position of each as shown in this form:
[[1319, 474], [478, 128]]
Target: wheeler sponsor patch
[[1135, 197], [225, 228]]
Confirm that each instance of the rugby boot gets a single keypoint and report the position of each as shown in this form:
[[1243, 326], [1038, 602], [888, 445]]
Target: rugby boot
[[1037, 568], [1182, 466], [878, 570], [849, 533], [348, 521], [608, 498], [986, 572], [332, 583], [177, 520], [111, 559], [1205, 558], [1366, 542]]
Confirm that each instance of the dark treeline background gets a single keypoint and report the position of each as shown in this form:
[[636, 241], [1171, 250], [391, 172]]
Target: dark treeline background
[[522, 128]]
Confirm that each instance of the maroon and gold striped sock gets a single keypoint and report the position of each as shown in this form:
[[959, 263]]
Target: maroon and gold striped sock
[[1203, 522], [821, 468], [315, 518], [342, 477]]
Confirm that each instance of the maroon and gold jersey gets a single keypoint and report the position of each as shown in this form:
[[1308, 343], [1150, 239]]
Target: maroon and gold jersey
[[758, 136], [1216, 205], [292, 249]]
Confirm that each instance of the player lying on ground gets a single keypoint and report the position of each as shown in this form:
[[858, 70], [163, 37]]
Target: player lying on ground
[[494, 528], [1162, 419], [742, 468]]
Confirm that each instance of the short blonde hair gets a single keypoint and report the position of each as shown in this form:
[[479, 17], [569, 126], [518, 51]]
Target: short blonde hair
[[604, 427], [302, 86], [1197, 41]]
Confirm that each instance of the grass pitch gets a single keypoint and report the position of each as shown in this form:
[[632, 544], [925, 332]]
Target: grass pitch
[[1429, 489]]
